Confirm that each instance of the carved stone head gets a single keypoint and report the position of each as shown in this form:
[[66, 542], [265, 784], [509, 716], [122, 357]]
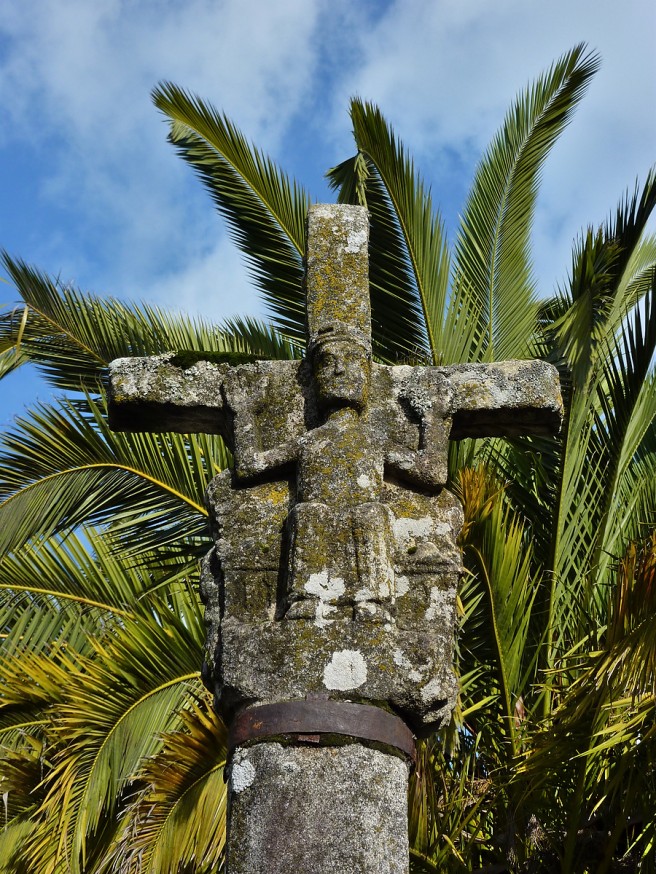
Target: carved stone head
[[342, 371]]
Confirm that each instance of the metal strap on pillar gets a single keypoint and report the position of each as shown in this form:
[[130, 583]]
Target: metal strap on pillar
[[310, 721]]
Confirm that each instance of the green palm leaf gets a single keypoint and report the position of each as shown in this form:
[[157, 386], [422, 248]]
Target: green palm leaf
[[600, 332], [602, 732], [265, 211], [409, 262], [72, 337], [494, 293], [12, 840], [178, 819], [260, 338], [101, 701], [449, 803], [62, 468], [497, 602], [628, 417], [117, 703]]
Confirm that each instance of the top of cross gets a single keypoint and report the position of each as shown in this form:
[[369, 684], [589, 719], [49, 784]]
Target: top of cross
[[499, 399], [336, 276]]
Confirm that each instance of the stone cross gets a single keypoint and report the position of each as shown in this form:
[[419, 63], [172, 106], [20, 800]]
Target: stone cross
[[330, 592]]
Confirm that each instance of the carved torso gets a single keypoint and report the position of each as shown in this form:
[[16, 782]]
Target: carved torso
[[330, 475]]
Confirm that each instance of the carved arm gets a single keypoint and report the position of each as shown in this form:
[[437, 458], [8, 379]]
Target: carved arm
[[504, 399], [154, 394]]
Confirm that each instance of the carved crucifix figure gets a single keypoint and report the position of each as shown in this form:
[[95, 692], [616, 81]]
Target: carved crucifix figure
[[335, 565]]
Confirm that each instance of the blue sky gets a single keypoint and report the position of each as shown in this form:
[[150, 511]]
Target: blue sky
[[90, 190]]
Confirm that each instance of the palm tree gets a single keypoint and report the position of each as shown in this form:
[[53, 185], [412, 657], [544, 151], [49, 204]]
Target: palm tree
[[112, 745]]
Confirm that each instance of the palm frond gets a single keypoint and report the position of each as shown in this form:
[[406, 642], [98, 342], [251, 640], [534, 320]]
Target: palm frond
[[602, 731], [177, 820], [117, 703], [71, 336], [450, 808], [409, 261], [497, 602], [628, 417], [265, 211], [13, 838], [65, 589], [612, 270], [61, 468], [34, 620], [261, 338], [605, 341], [494, 290], [22, 763], [12, 324]]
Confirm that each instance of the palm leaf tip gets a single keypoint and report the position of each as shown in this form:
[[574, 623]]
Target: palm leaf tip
[[265, 210], [494, 289], [409, 264]]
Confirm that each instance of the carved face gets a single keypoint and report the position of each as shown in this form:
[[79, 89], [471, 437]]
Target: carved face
[[341, 372]]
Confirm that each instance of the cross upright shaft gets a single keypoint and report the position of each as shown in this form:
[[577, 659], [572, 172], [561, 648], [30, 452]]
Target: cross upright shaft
[[335, 566]]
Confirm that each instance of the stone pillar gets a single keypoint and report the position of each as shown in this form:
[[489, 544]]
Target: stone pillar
[[331, 589], [311, 809]]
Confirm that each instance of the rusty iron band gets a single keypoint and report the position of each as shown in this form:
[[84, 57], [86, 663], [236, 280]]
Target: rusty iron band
[[312, 719]]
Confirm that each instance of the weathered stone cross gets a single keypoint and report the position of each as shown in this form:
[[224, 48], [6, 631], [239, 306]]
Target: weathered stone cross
[[330, 593]]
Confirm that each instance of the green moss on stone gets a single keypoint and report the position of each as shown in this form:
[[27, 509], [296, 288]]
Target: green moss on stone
[[186, 358]]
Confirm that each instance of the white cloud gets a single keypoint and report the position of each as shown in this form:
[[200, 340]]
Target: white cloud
[[445, 72], [448, 69], [214, 284], [76, 79], [90, 66]]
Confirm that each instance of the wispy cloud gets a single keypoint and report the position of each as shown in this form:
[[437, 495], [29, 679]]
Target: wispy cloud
[[93, 190], [444, 73], [76, 79]]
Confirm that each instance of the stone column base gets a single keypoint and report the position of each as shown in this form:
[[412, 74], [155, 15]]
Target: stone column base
[[317, 810]]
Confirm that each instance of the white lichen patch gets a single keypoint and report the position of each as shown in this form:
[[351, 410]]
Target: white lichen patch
[[346, 670], [386, 586], [406, 530], [321, 614], [431, 690], [325, 587], [242, 773], [442, 529], [401, 660], [327, 590], [401, 586], [363, 595], [401, 372], [440, 604], [356, 241], [363, 481]]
